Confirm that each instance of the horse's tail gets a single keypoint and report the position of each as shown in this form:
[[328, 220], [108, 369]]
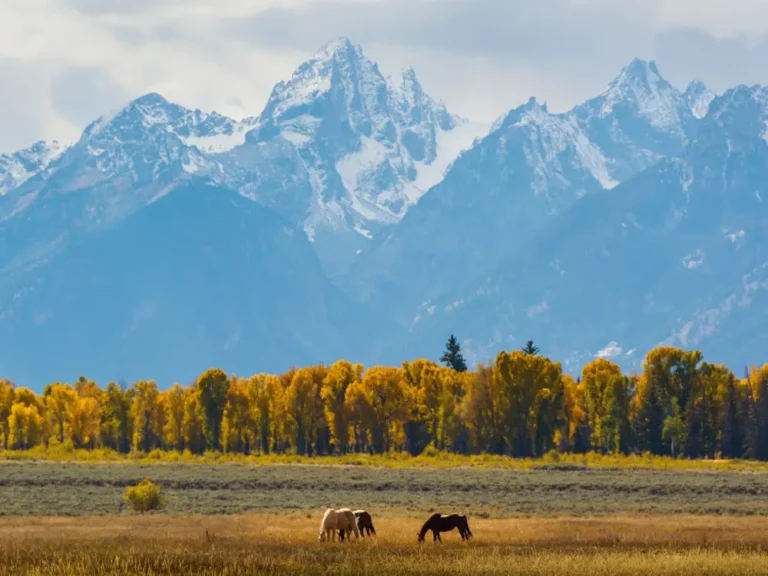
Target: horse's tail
[[466, 526]]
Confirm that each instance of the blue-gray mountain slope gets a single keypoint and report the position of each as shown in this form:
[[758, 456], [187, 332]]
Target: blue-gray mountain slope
[[675, 255], [200, 277]]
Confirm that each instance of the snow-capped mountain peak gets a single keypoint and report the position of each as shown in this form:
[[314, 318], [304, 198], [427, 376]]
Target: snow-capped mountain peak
[[641, 87], [209, 132], [338, 150], [340, 77], [339, 48], [549, 136], [369, 148], [698, 97], [743, 110], [17, 168]]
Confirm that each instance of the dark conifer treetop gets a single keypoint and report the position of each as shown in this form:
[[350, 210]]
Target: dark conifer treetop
[[453, 357]]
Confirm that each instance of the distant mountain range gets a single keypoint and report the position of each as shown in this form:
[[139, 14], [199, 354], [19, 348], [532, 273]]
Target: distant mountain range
[[357, 217]]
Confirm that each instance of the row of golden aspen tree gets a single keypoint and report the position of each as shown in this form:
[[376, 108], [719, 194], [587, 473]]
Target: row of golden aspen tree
[[521, 405]]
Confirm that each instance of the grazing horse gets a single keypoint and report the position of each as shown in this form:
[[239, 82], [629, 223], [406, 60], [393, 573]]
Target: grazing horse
[[439, 523], [333, 520], [364, 524]]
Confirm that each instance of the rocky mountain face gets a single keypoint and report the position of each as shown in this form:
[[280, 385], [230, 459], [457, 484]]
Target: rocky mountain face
[[339, 151], [338, 154], [675, 255], [344, 153], [17, 168], [356, 217], [532, 166]]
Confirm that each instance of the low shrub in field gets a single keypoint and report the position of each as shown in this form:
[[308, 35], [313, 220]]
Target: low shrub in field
[[144, 497]]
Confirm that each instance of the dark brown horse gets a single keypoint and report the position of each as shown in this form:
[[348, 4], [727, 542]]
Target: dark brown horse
[[364, 524], [439, 523]]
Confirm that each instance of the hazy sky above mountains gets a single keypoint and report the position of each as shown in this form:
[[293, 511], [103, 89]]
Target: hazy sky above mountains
[[65, 62]]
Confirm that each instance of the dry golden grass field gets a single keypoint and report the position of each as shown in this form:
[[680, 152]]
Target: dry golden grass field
[[230, 519], [287, 544]]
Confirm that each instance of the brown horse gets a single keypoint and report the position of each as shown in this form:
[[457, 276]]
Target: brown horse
[[364, 524], [439, 523]]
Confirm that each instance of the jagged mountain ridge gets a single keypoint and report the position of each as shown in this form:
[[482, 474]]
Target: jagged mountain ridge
[[533, 165], [123, 162], [360, 150], [20, 166], [338, 150], [107, 189], [345, 162], [673, 256]]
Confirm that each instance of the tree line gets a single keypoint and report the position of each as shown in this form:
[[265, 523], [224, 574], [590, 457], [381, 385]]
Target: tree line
[[520, 404]]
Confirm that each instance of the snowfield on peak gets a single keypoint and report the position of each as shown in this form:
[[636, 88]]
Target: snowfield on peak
[[449, 146], [17, 168], [698, 98], [223, 141], [358, 149], [641, 84]]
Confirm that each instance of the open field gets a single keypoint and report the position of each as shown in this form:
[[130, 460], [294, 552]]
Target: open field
[[281, 544], [231, 519], [45, 488]]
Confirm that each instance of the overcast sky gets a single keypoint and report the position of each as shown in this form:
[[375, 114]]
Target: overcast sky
[[65, 62]]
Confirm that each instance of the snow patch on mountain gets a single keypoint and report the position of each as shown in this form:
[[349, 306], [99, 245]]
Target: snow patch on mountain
[[707, 322], [654, 98], [223, 141], [698, 97], [551, 136], [20, 166], [450, 144], [369, 147]]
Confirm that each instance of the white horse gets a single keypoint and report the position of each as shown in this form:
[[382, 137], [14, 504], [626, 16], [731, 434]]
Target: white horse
[[333, 520]]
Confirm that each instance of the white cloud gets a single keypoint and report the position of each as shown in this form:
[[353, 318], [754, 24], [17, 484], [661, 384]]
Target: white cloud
[[693, 260], [227, 54], [611, 350]]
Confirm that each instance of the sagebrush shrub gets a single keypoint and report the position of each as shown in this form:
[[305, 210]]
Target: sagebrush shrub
[[144, 497]]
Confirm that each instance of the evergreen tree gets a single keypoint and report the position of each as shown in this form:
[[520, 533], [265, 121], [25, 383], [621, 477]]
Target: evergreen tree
[[531, 348], [453, 358]]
